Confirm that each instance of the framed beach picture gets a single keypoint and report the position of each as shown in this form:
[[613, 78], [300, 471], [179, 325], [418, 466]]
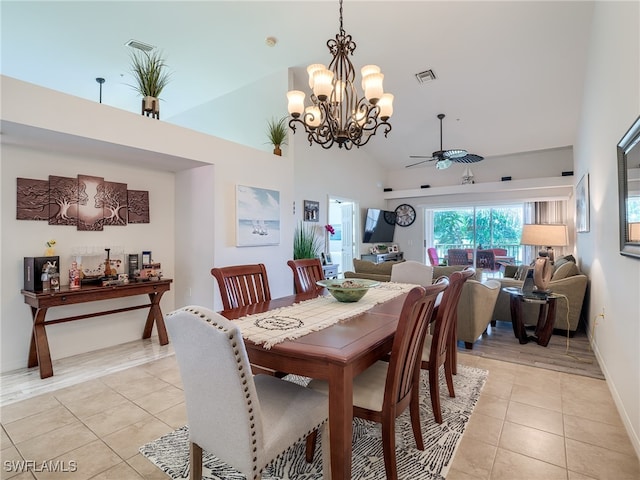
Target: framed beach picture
[[582, 204], [257, 216]]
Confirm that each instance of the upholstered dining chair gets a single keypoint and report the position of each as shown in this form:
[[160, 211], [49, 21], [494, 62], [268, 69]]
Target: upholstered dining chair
[[412, 272], [433, 256], [383, 391], [306, 272], [243, 420], [438, 349], [457, 256], [242, 285], [486, 259]]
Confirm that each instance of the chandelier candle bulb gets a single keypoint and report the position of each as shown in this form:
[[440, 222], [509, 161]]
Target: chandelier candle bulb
[[339, 91], [386, 106], [312, 117], [311, 69], [322, 84], [296, 103], [373, 87], [366, 71]]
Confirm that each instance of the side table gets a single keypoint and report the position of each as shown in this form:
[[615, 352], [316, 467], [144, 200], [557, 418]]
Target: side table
[[546, 315]]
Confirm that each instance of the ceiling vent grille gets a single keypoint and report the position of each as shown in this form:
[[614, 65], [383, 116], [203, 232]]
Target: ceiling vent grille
[[145, 47], [426, 76]]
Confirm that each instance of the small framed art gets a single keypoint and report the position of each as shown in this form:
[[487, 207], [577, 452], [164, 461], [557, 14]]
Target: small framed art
[[311, 211]]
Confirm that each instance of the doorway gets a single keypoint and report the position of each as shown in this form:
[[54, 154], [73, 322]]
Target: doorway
[[343, 217]]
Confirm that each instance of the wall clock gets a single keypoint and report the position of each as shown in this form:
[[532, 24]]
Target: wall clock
[[405, 215]]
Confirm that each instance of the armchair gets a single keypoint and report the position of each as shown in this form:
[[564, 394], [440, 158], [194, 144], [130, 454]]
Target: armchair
[[475, 309]]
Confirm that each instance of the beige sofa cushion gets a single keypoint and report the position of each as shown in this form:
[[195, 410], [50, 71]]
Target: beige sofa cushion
[[565, 270], [365, 266]]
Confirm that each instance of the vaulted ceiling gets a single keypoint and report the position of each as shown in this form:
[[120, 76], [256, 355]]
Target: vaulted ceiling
[[509, 75]]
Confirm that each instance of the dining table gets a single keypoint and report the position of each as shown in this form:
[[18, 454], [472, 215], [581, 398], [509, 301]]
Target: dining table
[[336, 354]]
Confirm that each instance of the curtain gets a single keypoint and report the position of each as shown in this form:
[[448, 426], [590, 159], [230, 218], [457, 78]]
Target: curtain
[[554, 211]]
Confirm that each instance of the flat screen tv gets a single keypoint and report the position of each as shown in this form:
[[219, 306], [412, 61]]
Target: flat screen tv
[[379, 226]]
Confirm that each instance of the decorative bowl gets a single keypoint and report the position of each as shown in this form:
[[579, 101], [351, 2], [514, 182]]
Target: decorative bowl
[[349, 289]]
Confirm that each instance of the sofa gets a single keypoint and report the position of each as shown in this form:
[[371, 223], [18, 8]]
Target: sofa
[[567, 281], [382, 271]]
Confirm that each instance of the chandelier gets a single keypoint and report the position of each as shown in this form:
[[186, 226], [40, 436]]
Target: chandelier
[[337, 114]]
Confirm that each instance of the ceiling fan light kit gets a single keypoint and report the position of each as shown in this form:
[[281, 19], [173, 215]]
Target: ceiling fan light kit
[[338, 114], [445, 158]]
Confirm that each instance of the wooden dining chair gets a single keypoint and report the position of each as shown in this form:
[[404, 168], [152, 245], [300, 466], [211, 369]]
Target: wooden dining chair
[[383, 391], [242, 285], [438, 344], [486, 259], [244, 420], [306, 272]]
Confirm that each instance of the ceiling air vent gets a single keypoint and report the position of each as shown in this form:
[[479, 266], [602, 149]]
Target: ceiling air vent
[[145, 47], [426, 76]]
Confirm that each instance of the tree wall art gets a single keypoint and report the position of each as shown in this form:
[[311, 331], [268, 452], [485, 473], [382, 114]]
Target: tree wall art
[[87, 202]]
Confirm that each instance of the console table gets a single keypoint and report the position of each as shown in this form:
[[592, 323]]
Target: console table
[[40, 302], [383, 257]]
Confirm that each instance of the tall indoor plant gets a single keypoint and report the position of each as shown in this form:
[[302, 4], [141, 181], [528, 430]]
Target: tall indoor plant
[[151, 75], [306, 244], [277, 133]]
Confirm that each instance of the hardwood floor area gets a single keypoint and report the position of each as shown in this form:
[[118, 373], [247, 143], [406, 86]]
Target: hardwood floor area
[[563, 354]]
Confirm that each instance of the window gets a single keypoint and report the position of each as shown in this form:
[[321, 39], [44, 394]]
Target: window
[[487, 227]]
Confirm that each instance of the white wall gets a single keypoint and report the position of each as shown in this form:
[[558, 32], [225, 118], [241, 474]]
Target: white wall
[[192, 212], [249, 107], [22, 238], [611, 104]]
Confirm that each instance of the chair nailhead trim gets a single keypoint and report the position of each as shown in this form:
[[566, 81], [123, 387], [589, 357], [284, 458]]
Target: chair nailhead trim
[[243, 375]]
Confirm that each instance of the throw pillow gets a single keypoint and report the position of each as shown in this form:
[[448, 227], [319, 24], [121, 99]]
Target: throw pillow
[[510, 271], [567, 269]]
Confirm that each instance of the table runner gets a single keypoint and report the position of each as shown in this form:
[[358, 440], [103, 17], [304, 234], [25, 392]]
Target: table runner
[[288, 323]]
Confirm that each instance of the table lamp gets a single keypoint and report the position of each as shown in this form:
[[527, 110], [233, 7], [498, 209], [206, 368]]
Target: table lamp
[[546, 236]]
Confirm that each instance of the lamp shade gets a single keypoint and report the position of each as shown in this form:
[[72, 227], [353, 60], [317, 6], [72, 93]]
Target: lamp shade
[[634, 232], [551, 235]]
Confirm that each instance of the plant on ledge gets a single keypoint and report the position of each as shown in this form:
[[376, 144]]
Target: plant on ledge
[[277, 133], [149, 72], [306, 244]]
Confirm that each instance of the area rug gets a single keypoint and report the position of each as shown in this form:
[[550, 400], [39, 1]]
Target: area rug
[[170, 453]]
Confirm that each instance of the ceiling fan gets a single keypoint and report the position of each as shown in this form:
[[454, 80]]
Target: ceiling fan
[[445, 158]]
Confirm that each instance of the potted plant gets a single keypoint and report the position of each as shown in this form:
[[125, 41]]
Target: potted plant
[[277, 133], [306, 244], [149, 71]]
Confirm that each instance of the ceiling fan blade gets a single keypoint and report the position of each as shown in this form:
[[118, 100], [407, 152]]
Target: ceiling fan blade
[[420, 162], [454, 153], [428, 157], [469, 158]]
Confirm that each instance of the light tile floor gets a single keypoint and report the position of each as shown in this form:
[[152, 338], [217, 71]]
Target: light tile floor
[[529, 423]]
